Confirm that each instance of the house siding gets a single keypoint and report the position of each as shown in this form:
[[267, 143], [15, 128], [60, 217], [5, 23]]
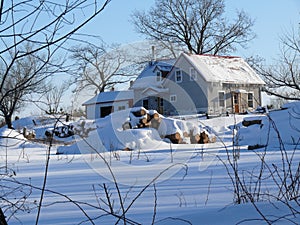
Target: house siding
[[91, 111], [94, 110], [191, 94], [152, 102], [244, 89]]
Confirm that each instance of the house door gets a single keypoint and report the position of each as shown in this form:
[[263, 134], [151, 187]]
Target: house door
[[146, 103], [160, 105], [236, 103], [104, 111]]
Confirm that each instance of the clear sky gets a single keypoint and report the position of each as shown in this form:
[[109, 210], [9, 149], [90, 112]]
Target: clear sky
[[272, 18]]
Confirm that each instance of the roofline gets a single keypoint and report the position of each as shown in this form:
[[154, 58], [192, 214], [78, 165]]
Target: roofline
[[187, 57], [154, 89], [113, 100], [163, 60], [217, 56], [98, 103], [173, 66]]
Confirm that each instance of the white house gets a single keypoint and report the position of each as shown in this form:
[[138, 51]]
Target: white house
[[105, 103]]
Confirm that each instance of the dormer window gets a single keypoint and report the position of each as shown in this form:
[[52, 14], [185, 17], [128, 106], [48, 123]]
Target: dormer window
[[158, 76]]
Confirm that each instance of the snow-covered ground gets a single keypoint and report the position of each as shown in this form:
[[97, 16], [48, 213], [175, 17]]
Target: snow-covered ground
[[157, 182]]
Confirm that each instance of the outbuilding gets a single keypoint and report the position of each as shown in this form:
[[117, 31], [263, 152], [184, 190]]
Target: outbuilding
[[105, 103]]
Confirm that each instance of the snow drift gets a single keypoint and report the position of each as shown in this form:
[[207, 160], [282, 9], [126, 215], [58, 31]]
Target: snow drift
[[277, 127]]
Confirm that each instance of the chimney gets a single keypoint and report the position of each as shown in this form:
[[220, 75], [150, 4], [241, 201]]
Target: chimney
[[153, 58]]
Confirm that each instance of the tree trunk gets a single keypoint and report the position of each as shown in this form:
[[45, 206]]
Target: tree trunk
[[8, 121], [102, 88], [2, 218]]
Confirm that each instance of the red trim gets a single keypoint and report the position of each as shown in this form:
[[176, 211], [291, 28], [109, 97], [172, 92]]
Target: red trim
[[217, 56]]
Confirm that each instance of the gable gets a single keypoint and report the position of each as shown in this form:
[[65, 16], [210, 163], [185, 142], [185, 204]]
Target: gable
[[183, 67], [154, 91]]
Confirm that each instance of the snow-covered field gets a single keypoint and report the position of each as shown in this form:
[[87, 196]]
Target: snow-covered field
[[94, 181]]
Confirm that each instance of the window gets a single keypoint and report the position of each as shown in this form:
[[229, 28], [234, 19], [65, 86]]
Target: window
[[121, 107], [173, 98], [193, 74], [222, 99], [178, 76], [250, 100], [235, 99], [158, 76]]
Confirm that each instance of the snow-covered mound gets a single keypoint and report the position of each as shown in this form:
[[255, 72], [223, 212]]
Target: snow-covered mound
[[42, 126], [11, 138], [276, 127], [108, 134]]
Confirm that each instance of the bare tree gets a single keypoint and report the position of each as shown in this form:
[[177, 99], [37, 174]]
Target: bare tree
[[283, 78], [99, 68], [53, 97], [47, 23], [46, 26], [26, 75], [198, 25]]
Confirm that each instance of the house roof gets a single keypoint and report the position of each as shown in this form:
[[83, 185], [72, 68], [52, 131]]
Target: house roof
[[163, 67], [147, 77], [110, 96], [152, 91], [226, 69]]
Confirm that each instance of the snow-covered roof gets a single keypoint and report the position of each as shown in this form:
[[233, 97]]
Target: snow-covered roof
[[152, 91], [148, 75], [226, 69], [163, 67], [110, 96]]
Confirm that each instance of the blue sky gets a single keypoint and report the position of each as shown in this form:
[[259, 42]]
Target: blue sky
[[272, 18]]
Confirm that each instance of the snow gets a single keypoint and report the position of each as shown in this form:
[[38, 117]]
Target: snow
[[110, 96], [192, 185], [224, 69], [152, 89], [164, 65], [273, 126], [148, 78]]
